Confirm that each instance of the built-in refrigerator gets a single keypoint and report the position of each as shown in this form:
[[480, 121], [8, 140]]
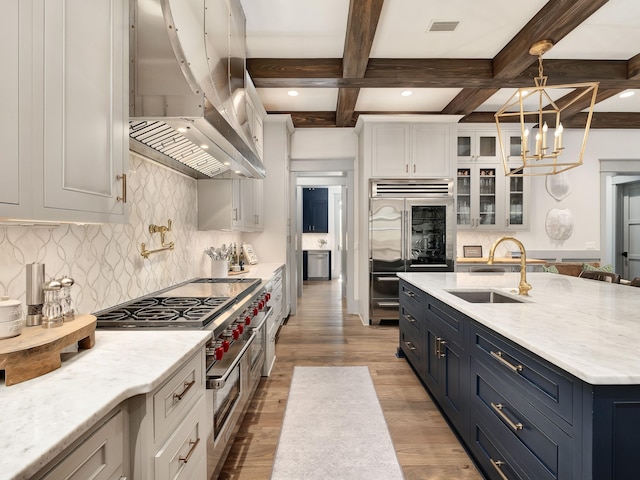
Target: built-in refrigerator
[[411, 229]]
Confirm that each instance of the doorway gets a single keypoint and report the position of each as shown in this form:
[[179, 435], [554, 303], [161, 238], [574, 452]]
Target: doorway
[[630, 230]]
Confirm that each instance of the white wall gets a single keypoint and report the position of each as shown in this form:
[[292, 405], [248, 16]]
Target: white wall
[[583, 202], [324, 143]]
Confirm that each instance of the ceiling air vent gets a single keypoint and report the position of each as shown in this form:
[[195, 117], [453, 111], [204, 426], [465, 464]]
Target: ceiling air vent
[[441, 187], [441, 26]]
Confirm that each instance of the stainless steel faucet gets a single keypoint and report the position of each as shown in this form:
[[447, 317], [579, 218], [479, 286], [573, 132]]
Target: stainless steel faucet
[[523, 286]]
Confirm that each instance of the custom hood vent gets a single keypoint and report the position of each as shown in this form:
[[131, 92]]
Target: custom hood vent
[[187, 82], [440, 187]]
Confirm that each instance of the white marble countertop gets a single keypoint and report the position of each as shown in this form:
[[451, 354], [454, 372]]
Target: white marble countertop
[[260, 270], [41, 417], [589, 328]]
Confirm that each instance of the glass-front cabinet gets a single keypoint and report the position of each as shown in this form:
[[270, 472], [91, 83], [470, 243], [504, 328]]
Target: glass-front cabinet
[[478, 196], [477, 146]]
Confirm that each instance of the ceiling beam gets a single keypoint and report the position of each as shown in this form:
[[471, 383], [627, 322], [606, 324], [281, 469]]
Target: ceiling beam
[[361, 29], [554, 21], [433, 73], [633, 69]]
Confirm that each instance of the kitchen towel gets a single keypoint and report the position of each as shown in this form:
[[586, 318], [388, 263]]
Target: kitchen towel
[[334, 428]]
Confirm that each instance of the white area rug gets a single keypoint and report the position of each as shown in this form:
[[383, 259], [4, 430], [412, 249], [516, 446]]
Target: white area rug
[[334, 428]]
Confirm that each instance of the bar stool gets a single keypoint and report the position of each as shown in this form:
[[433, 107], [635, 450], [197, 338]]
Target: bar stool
[[609, 277]]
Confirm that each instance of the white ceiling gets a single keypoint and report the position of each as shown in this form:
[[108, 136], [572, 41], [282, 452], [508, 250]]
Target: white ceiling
[[316, 29]]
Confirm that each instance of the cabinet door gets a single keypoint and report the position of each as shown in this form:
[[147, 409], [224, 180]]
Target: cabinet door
[[254, 120], [315, 210], [478, 146], [390, 150], [258, 202], [430, 155], [479, 196], [15, 116], [84, 117]]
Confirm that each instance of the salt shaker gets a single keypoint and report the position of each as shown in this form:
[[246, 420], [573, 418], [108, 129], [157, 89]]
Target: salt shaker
[[51, 310], [68, 307]]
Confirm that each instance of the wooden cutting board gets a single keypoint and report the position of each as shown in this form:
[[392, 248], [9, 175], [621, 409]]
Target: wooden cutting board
[[36, 350]]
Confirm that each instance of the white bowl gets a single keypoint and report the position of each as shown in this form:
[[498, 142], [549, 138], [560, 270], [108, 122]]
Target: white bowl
[[11, 329]]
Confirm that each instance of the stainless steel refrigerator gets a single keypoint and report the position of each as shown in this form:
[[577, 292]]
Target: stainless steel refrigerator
[[411, 229]]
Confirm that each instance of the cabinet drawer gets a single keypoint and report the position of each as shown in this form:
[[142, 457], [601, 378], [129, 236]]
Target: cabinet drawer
[[410, 345], [488, 453], [182, 456], [99, 457], [448, 320], [409, 321], [171, 401], [411, 296], [545, 386], [538, 446]]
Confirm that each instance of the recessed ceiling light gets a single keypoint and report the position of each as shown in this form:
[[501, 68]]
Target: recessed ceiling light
[[292, 93], [182, 129], [406, 93], [227, 163], [626, 94], [204, 147]]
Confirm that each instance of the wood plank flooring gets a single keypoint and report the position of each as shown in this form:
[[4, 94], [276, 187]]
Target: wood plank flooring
[[321, 333]]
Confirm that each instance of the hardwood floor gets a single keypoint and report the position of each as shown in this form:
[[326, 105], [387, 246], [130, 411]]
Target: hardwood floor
[[321, 333]]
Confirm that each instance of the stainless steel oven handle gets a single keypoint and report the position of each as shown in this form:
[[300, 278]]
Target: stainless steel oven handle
[[387, 279], [218, 383], [264, 319]]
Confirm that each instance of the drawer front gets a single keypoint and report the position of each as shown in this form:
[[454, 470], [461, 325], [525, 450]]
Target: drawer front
[[546, 387], [538, 446], [448, 320], [171, 401], [183, 455], [409, 321], [411, 296], [410, 345], [488, 452], [99, 457]]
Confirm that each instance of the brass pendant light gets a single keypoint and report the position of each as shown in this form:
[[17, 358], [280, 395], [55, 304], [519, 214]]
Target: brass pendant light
[[540, 155]]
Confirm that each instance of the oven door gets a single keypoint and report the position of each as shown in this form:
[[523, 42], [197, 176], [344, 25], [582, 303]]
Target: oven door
[[257, 352], [227, 397]]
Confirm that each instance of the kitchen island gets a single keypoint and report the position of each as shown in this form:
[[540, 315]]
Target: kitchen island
[[43, 416], [533, 388]]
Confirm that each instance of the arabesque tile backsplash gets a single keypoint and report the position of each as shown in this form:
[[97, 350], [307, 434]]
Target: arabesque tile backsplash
[[104, 260]]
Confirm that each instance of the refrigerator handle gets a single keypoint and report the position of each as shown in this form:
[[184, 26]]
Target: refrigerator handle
[[403, 224]]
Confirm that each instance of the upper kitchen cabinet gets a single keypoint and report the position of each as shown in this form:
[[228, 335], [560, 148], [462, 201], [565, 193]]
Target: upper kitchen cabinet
[[315, 210], [72, 89], [477, 145], [405, 150], [230, 204], [255, 116]]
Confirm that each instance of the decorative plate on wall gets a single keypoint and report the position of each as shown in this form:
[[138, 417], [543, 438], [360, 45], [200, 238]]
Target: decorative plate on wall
[[558, 185], [559, 224]]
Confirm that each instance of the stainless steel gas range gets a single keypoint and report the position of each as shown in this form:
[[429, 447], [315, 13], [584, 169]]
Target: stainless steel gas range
[[236, 312]]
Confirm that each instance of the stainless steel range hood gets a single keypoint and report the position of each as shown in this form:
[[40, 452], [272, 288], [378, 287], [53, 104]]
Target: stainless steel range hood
[[187, 75]]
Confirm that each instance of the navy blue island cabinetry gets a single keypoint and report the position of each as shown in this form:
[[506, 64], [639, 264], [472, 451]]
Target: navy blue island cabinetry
[[520, 416]]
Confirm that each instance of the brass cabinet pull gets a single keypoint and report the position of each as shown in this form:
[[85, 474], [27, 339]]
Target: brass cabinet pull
[[410, 345], [123, 198], [497, 464], [409, 318], [187, 387], [193, 445], [498, 356], [409, 293], [442, 342], [498, 409]]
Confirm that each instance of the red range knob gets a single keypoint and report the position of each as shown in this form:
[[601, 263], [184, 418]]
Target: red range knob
[[225, 345], [219, 353], [247, 320], [236, 333], [260, 305], [240, 328], [268, 297], [255, 311]]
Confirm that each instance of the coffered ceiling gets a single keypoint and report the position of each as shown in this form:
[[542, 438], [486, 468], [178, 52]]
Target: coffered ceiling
[[351, 57]]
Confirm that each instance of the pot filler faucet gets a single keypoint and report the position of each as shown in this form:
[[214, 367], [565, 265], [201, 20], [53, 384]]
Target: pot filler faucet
[[523, 286]]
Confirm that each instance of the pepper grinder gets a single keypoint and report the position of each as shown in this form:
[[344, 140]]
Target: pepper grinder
[[51, 310], [35, 294], [68, 308]]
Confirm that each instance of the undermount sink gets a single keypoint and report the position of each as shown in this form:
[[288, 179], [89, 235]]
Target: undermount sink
[[484, 296]]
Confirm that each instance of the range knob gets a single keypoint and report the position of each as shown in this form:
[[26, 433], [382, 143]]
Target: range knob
[[247, 320], [236, 334]]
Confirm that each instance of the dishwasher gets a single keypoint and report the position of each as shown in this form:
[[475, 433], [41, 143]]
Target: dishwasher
[[318, 265]]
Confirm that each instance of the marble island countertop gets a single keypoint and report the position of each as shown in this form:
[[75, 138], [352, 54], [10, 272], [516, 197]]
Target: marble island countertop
[[42, 416], [588, 328], [500, 260]]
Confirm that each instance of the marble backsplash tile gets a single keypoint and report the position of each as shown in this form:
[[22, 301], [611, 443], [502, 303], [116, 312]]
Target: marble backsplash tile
[[104, 260]]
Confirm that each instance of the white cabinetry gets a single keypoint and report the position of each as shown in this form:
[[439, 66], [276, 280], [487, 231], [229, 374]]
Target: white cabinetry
[[172, 437], [72, 91], [404, 150], [275, 320], [230, 204], [486, 198], [99, 456], [254, 119]]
